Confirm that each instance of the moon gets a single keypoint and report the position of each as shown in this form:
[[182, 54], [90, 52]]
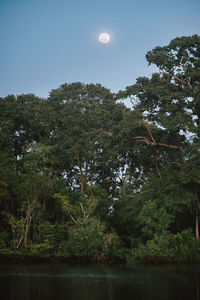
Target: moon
[[104, 38]]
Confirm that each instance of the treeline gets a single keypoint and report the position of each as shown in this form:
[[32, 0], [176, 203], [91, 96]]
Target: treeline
[[82, 175]]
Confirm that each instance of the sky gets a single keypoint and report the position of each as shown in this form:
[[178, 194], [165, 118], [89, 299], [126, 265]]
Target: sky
[[45, 43]]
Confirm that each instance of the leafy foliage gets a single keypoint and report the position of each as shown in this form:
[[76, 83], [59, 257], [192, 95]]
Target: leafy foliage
[[91, 241], [81, 175]]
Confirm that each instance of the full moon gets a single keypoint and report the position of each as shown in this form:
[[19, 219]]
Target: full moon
[[104, 38]]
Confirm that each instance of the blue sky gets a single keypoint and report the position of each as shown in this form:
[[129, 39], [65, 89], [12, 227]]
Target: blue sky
[[45, 43]]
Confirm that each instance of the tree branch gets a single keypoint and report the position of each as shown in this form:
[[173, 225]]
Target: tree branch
[[72, 217], [148, 142], [183, 81], [84, 214], [153, 142]]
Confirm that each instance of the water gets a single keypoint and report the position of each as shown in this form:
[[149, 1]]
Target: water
[[98, 282]]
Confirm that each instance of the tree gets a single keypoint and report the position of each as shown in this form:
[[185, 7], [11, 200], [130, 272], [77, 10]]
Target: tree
[[79, 166], [167, 104], [85, 131]]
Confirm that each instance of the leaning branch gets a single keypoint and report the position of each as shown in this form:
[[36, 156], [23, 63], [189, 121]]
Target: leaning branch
[[183, 81], [72, 217], [153, 143]]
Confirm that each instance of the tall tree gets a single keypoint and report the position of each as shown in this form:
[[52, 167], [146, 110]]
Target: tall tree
[[167, 105], [85, 130]]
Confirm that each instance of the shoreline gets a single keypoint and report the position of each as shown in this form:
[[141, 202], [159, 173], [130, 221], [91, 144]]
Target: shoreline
[[36, 258], [29, 258]]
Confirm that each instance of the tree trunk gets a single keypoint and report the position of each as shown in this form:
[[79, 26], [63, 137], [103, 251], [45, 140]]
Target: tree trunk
[[86, 173], [197, 215], [81, 173], [27, 224], [91, 179], [197, 226]]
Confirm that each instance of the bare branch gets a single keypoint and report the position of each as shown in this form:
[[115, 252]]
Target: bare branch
[[84, 213], [72, 217], [148, 142], [183, 81]]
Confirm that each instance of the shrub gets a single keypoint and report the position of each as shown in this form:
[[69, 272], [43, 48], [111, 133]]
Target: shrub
[[168, 247], [91, 241]]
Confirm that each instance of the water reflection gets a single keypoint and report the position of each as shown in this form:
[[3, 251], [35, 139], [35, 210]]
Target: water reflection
[[35, 282]]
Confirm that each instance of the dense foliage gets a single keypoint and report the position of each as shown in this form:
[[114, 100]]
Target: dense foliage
[[82, 175]]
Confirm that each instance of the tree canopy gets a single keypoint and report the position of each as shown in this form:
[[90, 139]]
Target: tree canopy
[[82, 175]]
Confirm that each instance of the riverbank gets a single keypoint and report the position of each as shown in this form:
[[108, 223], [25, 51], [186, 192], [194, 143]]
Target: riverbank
[[29, 258], [23, 256]]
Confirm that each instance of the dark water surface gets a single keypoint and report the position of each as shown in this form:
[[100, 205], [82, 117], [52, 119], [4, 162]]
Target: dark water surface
[[99, 282]]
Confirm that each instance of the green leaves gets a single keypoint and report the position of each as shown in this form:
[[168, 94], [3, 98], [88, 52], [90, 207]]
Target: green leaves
[[85, 128], [78, 164], [91, 241]]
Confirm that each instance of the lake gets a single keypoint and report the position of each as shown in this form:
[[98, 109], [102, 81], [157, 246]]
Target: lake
[[99, 282]]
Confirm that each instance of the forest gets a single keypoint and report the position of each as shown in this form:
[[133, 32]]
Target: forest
[[83, 176]]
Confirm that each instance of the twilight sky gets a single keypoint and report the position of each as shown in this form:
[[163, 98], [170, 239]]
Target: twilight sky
[[45, 43]]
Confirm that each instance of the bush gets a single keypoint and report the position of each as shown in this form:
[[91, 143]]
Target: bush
[[49, 238], [91, 241], [168, 247], [188, 247]]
